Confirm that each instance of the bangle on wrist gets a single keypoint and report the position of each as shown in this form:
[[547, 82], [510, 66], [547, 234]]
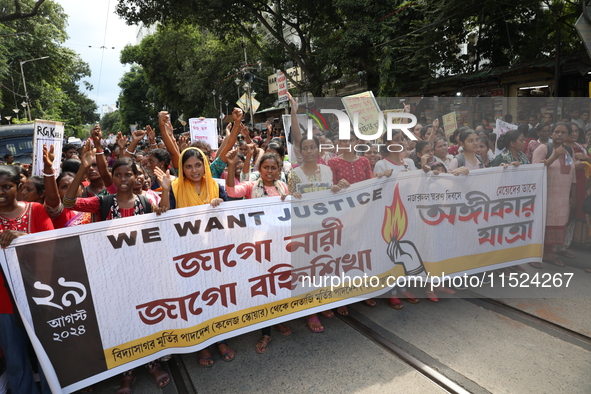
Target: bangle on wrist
[[48, 174], [99, 153], [131, 153]]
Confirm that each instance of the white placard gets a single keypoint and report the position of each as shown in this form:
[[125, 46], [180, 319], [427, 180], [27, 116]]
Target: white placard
[[282, 86], [501, 129], [204, 130], [49, 133]]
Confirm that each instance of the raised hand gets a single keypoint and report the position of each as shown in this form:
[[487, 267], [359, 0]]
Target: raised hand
[[48, 156], [163, 117], [151, 134], [244, 130], [435, 125], [96, 135], [121, 141], [164, 179], [87, 155], [232, 157], [138, 135], [293, 102], [237, 114], [184, 142]]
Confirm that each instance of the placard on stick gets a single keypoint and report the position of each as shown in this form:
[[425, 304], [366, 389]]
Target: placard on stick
[[49, 133], [204, 130], [282, 87], [450, 123], [367, 107]]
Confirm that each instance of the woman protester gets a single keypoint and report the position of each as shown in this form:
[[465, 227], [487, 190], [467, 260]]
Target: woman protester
[[311, 177], [561, 187], [267, 185], [194, 186], [17, 218], [125, 203]]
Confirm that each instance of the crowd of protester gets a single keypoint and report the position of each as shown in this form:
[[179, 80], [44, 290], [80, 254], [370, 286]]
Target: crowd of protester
[[149, 173]]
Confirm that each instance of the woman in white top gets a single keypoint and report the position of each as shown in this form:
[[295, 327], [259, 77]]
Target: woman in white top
[[312, 177]]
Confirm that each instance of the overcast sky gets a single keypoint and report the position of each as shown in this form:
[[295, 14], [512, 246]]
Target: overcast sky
[[86, 29]]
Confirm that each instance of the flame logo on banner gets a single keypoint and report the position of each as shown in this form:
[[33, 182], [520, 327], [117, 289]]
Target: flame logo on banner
[[395, 219]]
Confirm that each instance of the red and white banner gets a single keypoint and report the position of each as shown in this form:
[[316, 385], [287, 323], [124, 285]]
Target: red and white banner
[[102, 298]]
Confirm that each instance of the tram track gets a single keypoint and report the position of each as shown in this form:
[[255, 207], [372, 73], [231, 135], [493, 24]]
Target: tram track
[[430, 368], [529, 319]]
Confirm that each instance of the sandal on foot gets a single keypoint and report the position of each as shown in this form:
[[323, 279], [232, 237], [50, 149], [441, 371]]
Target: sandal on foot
[[126, 382], [370, 302], [409, 297], [432, 296], [343, 311], [226, 353], [536, 264], [395, 303], [328, 313], [567, 254], [261, 346], [283, 329], [205, 359], [314, 324], [160, 376]]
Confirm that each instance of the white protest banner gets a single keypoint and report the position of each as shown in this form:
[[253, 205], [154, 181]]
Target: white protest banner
[[449, 123], [49, 133], [282, 87], [367, 107], [102, 298], [501, 129], [205, 130]]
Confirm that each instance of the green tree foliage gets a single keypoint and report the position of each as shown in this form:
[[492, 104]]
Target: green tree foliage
[[282, 31], [382, 42], [111, 123], [137, 100], [497, 34], [52, 83], [180, 66]]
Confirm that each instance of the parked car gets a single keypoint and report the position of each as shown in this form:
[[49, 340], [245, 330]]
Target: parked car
[[17, 140]]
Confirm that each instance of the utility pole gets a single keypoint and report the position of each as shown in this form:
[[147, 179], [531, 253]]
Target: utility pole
[[25, 84], [248, 81]]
